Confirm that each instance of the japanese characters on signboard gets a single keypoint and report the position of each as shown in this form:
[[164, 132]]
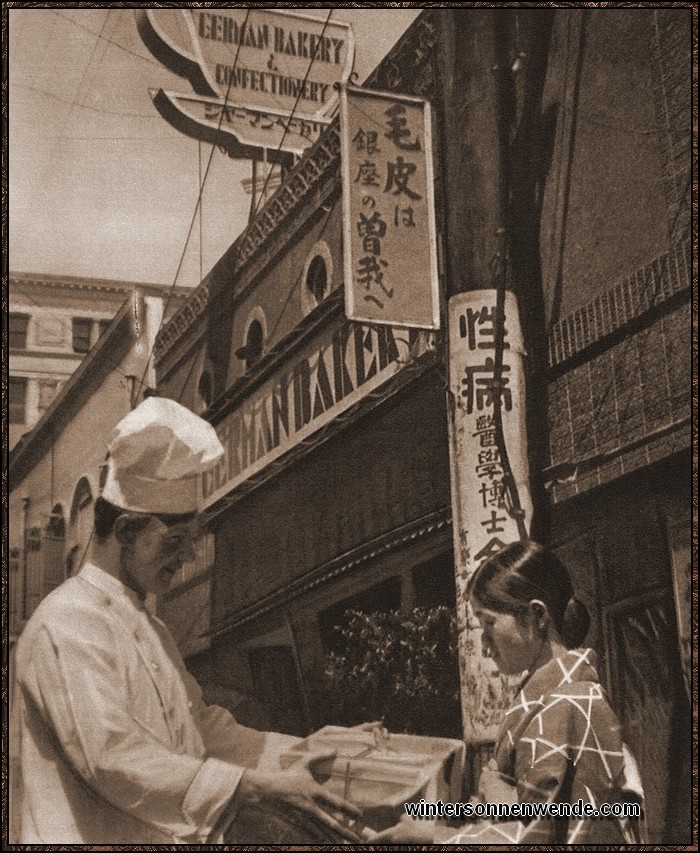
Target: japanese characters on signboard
[[262, 78], [482, 506], [390, 254]]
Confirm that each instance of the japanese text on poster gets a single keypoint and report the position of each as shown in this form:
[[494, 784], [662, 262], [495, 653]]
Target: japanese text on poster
[[483, 516], [388, 209]]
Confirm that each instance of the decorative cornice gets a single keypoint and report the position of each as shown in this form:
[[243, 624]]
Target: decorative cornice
[[408, 67], [298, 184], [628, 300], [94, 285]]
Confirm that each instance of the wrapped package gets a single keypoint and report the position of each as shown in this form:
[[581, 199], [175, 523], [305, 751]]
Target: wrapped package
[[380, 772]]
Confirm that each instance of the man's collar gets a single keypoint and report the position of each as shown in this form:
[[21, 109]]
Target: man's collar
[[108, 583]]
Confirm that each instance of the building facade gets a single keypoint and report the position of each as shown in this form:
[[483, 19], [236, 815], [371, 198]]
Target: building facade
[[335, 491], [53, 322], [53, 469]]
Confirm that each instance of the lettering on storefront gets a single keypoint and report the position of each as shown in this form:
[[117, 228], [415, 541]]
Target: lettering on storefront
[[318, 387], [261, 63]]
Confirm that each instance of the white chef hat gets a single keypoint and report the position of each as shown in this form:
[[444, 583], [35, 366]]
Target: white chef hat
[[156, 455]]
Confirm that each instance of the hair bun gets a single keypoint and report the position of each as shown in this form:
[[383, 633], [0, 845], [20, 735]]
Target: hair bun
[[575, 623]]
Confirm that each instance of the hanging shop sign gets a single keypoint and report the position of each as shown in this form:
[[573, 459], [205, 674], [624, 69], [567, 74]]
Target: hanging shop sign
[[389, 240], [249, 131], [329, 377], [484, 517], [262, 79]]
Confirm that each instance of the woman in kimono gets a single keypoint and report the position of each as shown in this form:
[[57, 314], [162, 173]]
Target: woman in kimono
[[560, 741]]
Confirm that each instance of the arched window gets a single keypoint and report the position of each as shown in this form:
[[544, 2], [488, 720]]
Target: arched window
[[317, 277], [81, 521], [255, 334], [81, 497], [253, 344], [205, 390]]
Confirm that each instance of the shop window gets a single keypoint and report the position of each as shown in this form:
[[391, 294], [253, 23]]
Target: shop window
[[81, 334], [434, 582], [17, 393], [17, 331], [381, 598]]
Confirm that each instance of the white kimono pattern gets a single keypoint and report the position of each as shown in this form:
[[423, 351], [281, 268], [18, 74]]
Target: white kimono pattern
[[116, 744], [561, 743]]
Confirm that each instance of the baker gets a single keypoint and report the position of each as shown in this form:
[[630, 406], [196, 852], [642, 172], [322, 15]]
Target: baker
[[116, 743]]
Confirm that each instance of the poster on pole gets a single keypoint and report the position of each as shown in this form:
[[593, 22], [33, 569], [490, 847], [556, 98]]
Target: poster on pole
[[483, 516], [389, 237]]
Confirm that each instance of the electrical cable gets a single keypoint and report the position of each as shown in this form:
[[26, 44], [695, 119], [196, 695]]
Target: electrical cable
[[109, 41], [199, 201], [49, 165], [502, 75], [294, 108]]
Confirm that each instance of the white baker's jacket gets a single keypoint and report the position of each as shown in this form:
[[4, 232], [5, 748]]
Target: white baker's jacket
[[115, 743]]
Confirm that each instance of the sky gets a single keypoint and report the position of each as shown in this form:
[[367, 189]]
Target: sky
[[100, 185]]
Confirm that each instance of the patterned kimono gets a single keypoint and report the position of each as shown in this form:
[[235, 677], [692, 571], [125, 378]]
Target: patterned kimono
[[561, 743]]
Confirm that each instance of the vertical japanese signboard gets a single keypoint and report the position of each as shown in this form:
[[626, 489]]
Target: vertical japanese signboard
[[482, 506], [389, 239]]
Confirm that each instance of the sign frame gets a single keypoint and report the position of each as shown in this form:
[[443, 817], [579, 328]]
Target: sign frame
[[352, 309], [180, 45]]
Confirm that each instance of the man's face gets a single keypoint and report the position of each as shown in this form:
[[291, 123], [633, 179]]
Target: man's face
[[155, 553]]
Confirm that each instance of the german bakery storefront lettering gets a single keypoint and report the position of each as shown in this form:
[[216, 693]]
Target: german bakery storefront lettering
[[334, 374]]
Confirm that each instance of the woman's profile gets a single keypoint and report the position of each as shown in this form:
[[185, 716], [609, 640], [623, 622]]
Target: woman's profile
[[560, 742]]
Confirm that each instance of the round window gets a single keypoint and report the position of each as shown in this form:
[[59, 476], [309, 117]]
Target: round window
[[317, 279]]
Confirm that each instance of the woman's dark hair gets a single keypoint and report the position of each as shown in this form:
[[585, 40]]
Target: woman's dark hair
[[509, 580]]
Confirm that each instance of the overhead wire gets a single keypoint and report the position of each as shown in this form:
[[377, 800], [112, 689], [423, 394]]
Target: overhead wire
[[294, 108], [182, 256], [199, 201], [116, 44], [262, 194], [79, 105], [41, 181]]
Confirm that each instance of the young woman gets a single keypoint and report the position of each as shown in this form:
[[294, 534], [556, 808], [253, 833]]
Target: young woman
[[560, 742]]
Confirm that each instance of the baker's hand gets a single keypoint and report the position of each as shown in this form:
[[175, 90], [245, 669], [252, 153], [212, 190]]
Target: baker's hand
[[406, 831], [297, 788], [495, 787]]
